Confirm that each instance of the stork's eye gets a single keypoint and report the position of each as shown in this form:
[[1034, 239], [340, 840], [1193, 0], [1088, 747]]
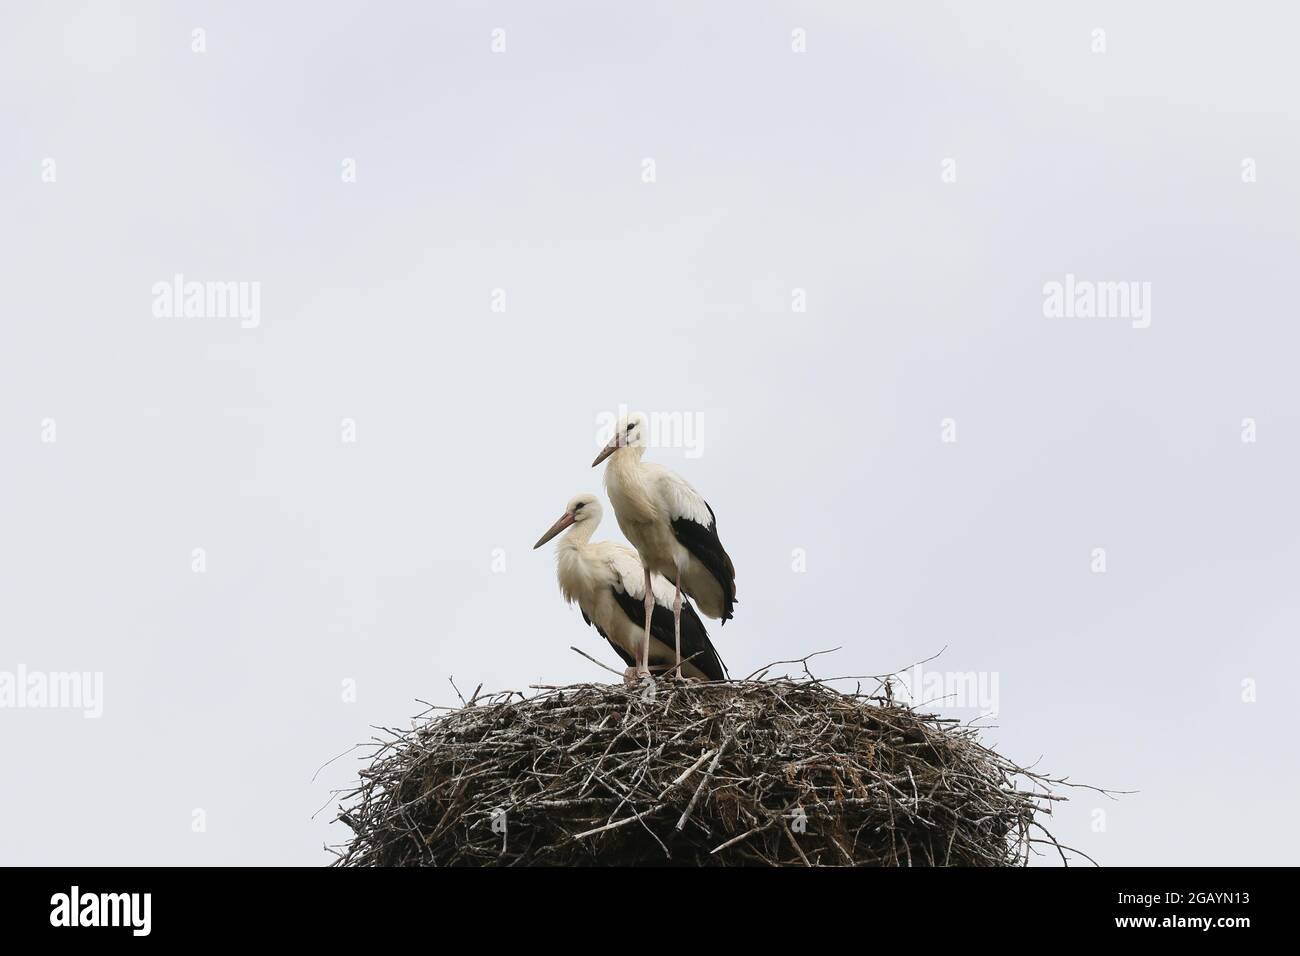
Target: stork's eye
[[631, 426]]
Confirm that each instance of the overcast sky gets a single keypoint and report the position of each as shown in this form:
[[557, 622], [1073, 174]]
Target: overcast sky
[[462, 260]]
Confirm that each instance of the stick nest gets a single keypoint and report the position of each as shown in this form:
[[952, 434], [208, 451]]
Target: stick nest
[[783, 772]]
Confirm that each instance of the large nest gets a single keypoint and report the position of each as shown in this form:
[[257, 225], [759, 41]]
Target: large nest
[[770, 772]]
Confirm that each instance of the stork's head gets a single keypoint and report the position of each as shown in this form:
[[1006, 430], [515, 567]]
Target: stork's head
[[582, 510], [630, 432]]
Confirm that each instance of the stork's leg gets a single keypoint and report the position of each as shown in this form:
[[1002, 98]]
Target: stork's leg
[[677, 621], [644, 664]]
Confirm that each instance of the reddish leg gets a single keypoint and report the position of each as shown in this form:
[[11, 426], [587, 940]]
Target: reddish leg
[[643, 665]]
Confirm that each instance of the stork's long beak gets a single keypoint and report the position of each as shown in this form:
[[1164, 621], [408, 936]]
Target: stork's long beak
[[566, 519], [608, 450]]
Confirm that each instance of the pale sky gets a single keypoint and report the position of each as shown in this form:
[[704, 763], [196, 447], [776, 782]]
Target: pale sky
[[921, 172]]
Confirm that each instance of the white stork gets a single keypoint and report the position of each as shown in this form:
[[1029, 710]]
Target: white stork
[[670, 524], [607, 582]]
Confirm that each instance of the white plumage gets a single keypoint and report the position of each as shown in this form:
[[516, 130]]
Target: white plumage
[[607, 581], [669, 523]]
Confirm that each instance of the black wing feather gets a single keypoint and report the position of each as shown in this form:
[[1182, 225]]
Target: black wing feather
[[706, 547], [695, 639], [628, 659]]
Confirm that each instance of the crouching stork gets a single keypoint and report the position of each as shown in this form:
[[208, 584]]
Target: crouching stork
[[612, 588]]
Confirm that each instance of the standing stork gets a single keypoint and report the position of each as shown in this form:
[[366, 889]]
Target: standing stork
[[607, 582], [670, 524]]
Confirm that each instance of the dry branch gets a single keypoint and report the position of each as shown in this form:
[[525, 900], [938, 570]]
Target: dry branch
[[783, 772]]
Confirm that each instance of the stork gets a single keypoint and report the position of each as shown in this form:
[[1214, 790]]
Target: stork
[[670, 524], [606, 580]]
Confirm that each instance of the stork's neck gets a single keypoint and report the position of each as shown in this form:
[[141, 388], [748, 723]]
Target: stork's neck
[[625, 464], [580, 534]]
